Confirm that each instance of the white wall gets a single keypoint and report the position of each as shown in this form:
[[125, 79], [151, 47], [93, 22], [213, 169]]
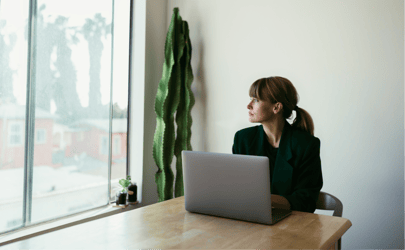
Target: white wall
[[346, 60], [137, 97], [156, 14]]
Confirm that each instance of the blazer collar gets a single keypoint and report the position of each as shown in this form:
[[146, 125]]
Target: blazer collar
[[284, 149]]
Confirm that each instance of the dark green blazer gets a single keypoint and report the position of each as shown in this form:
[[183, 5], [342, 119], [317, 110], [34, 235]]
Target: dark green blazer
[[297, 173]]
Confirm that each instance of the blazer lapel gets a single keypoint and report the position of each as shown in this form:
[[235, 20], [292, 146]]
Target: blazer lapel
[[283, 171], [261, 140]]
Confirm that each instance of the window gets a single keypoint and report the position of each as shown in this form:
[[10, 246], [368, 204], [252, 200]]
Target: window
[[80, 136], [67, 138], [15, 134], [40, 136], [77, 63], [117, 145], [104, 145]]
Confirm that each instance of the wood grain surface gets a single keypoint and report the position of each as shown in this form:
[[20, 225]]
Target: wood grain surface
[[168, 225]]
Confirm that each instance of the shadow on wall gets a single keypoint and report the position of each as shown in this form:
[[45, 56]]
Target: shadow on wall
[[200, 94], [203, 97]]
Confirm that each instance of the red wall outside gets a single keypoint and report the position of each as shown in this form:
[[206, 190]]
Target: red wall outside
[[91, 144], [43, 152], [13, 156], [10, 156], [123, 153]]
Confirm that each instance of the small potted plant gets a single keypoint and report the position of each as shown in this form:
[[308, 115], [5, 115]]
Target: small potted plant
[[122, 195], [132, 194]]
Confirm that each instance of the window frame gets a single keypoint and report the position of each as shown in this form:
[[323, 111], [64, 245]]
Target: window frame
[[29, 136]]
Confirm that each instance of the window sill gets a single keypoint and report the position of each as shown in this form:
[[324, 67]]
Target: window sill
[[57, 224]]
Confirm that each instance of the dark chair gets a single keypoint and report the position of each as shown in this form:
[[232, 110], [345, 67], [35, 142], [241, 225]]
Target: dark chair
[[329, 202]]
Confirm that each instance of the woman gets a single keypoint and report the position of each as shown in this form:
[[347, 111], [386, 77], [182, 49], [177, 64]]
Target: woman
[[293, 151]]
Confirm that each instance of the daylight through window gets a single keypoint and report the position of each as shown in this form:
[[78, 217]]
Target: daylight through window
[[73, 114]]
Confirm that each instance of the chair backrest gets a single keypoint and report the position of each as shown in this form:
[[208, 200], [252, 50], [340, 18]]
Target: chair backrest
[[329, 202]]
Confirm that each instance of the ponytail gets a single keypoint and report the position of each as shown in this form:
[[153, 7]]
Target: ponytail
[[303, 121]]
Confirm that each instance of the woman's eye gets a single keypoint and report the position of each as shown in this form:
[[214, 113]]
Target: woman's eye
[[254, 99]]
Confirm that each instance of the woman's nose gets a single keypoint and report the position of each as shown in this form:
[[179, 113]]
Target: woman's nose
[[249, 106]]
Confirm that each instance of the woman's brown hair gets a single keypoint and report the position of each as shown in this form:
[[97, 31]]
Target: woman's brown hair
[[279, 89]]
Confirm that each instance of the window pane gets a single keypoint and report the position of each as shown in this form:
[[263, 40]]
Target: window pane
[[73, 79], [13, 74], [40, 136], [120, 93]]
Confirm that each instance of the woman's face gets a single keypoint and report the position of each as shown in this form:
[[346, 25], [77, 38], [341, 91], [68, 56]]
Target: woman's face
[[260, 110]]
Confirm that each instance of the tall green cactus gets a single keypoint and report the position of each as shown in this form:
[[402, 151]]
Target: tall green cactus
[[174, 94]]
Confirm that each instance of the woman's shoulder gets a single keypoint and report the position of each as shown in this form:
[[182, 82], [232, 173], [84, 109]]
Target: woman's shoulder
[[246, 140], [301, 134], [248, 132], [303, 139]]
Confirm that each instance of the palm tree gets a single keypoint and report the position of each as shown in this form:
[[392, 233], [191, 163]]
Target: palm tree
[[93, 31], [64, 93], [45, 43], [6, 73]]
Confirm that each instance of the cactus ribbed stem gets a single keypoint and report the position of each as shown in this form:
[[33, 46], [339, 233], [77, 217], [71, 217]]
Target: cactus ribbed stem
[[174, 96]]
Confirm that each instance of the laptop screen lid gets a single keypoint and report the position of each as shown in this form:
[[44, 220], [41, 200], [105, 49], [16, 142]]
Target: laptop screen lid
[[227, 185]]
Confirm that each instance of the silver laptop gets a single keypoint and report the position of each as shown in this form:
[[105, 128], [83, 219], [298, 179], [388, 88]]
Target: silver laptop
[[230, 186]]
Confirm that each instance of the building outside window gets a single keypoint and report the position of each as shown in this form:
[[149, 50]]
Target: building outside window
[[104, 145], [16, 133], [64, 79], [117, 145], [40, 136], [80, 136]]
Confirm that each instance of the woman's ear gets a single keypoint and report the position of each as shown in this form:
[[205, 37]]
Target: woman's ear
[[278, 107]]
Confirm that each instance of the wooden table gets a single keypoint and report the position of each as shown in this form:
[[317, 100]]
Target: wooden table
[[168, 225]]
